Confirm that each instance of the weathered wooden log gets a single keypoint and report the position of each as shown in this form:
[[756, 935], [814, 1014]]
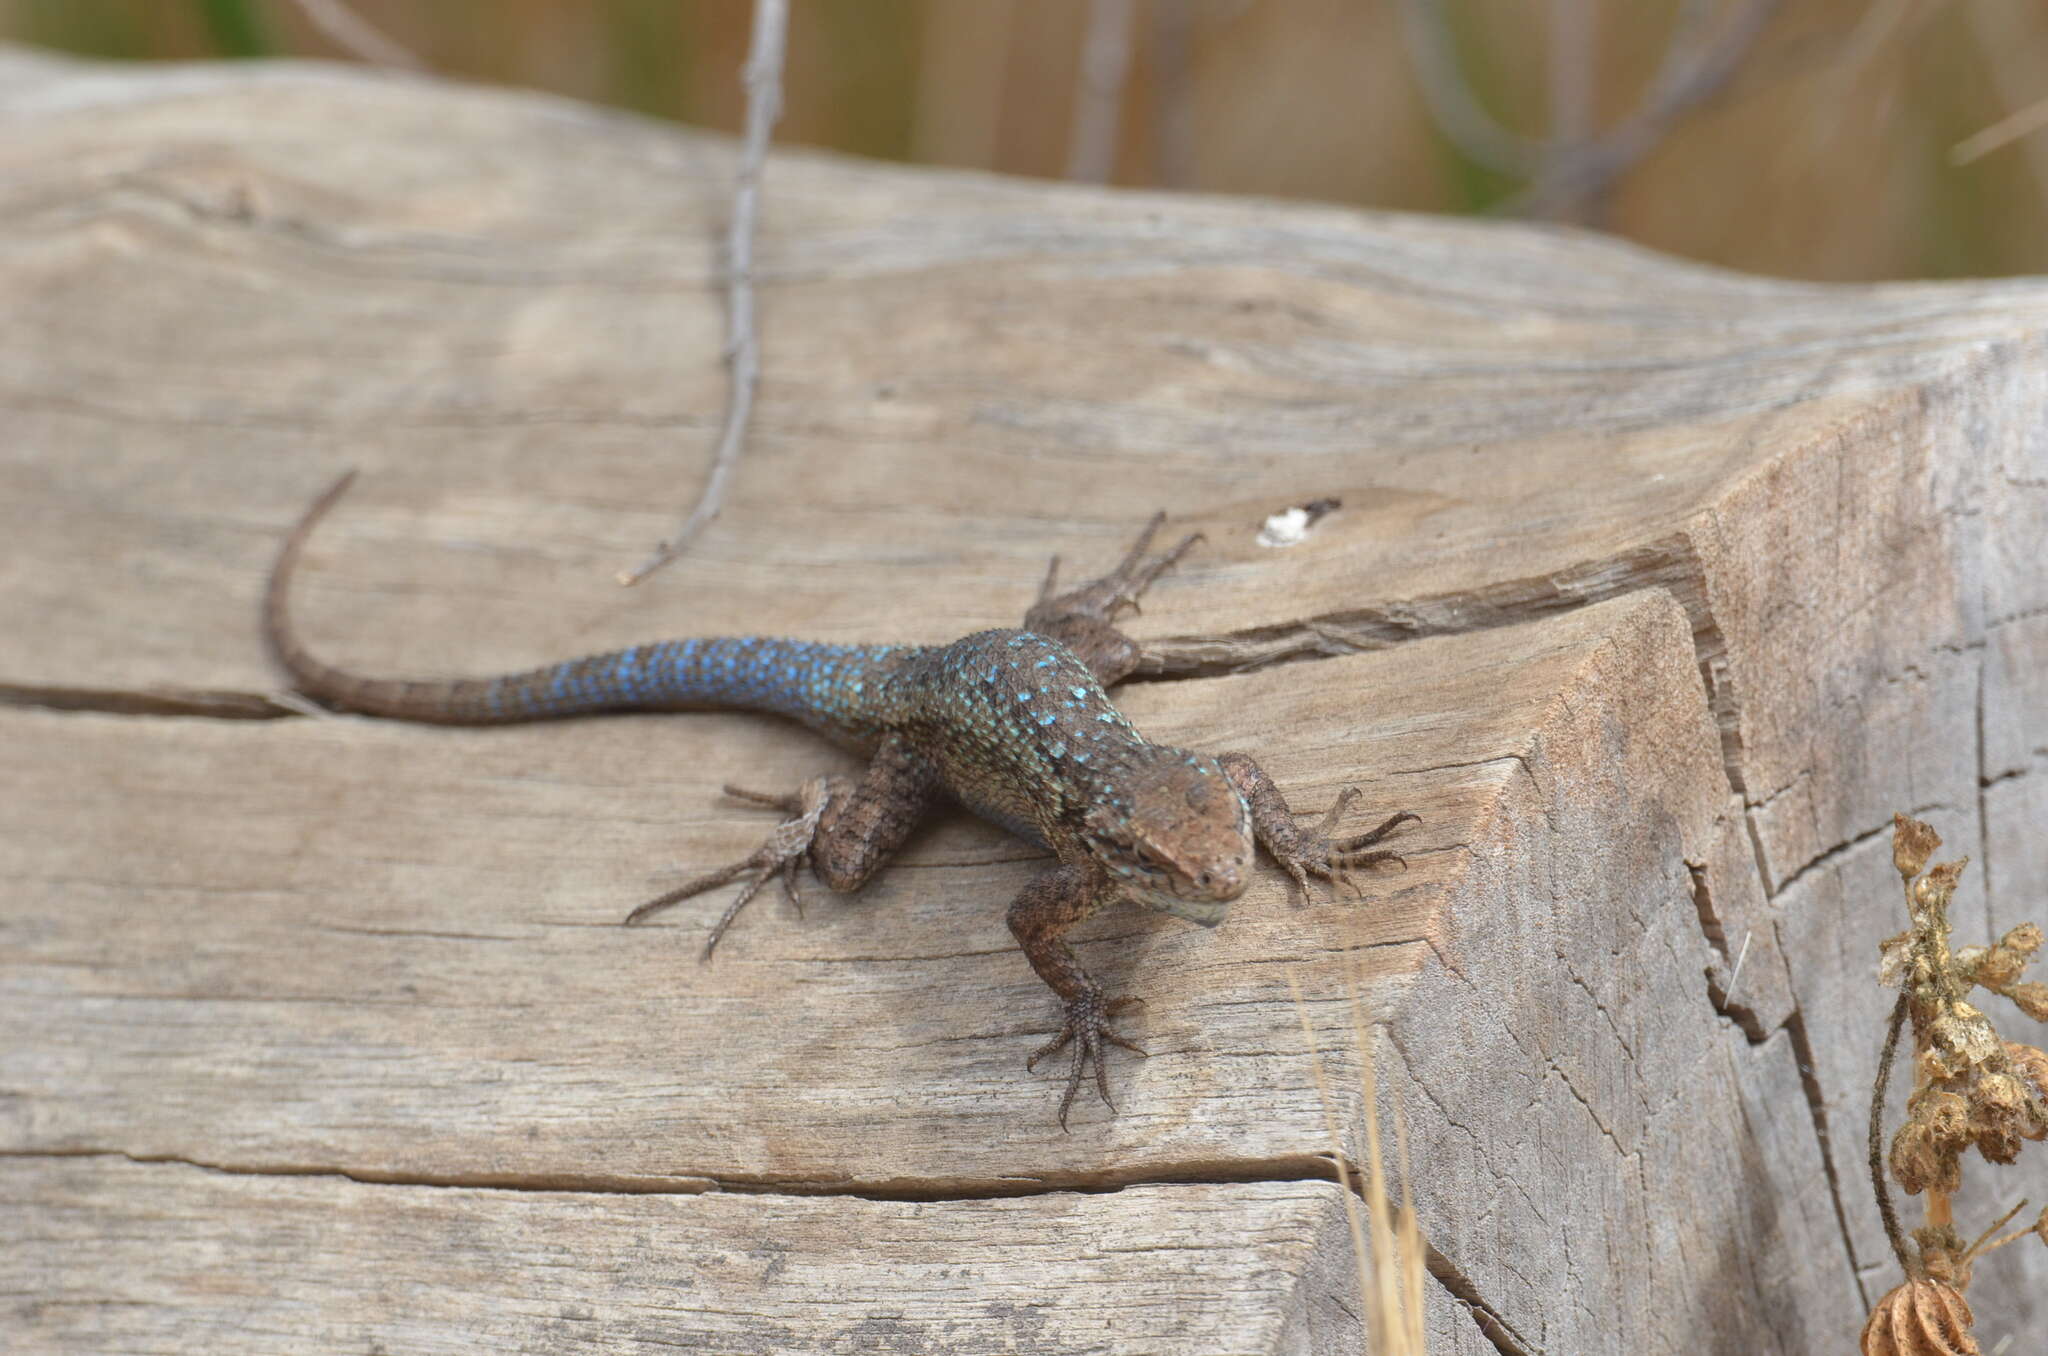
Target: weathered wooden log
[[1654, 590]]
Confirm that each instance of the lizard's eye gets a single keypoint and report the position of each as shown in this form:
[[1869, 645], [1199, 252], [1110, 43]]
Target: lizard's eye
[[1146, 862]]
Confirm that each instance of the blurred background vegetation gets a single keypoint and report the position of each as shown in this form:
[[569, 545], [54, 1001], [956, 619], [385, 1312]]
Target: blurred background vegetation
[[1827, 139]]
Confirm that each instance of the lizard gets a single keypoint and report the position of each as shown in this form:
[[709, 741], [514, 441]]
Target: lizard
[[1016, 725]]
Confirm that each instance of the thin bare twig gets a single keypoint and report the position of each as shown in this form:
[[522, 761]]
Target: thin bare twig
[[1885, 1210], [1570, 173], [2007, 48], [355, 35], [1570, 47], [1838, 98], [1453, 106], [1173, 105], [1977, 1248], [742, 344], [1694, 71], [2008, 129], [1099, 93]]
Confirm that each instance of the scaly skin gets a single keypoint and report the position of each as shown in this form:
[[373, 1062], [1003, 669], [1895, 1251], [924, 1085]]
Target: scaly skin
[[1015, 725]]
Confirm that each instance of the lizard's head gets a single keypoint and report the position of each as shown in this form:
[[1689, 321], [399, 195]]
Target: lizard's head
[[1177, 837]]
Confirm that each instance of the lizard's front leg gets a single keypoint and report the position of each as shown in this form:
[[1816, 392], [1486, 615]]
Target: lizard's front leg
[[1084, 619], [1054, 901], [1305, 852], [844, 828]]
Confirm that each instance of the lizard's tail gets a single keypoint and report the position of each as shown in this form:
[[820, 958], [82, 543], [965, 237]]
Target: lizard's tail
[[827, 686], [447, 701]]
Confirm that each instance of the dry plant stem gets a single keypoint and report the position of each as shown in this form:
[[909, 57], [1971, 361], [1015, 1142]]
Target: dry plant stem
[[1345, 1179], [743, 345], [1885, 1209], [2008, 129], [1840, 78], [355, 35], [2013, 1237], [1977, 1248], [1390, 1274], [1173, 136], [2006, 47], [1395, 1318], [1692, 74], [1573, 36], [1452, 105], [1411, 1246], [1099, 93], [1570, 174]]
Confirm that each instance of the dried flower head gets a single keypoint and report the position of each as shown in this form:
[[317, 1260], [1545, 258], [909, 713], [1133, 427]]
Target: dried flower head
[[1971, 1089], [1960, 1041], [2031, 1065], [1895, 959], [1921, 1318], [1998, 967], [1966, 1092], [1943, 1254], [1922, 1161], [1912, 844], [1941, 879]]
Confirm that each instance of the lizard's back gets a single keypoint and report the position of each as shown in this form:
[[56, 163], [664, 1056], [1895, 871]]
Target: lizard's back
[[1014, 725]]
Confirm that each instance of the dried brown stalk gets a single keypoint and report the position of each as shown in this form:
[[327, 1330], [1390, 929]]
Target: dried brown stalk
[[1971, 1089]]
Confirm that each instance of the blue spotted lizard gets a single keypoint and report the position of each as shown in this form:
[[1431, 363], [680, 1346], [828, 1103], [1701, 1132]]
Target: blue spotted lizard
[[1016, 725]]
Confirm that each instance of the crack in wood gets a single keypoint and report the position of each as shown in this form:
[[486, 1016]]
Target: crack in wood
[[209, 703], [1816, 1101], [1208, 1172], [1492, 1326]]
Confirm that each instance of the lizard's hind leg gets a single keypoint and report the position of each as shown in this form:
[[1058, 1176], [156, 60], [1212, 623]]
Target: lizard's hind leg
[[1084, 618], [845, 830], [786, 850]]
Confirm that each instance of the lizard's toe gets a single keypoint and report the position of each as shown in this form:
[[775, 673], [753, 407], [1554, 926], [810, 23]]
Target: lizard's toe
[[1087, 1028], [787, 848]]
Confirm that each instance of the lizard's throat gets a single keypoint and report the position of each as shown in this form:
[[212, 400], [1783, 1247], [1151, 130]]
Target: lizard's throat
[[1207, 912]]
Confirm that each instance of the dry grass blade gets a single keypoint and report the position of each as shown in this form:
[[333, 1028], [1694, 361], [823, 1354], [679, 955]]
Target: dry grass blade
[[354, 34], [1388, 1253], [2008, 129], [1337, 1154], [1099, 92]]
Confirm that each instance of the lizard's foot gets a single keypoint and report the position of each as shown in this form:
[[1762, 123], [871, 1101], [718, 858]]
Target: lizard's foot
[[1103, 598], [786, 850], [1087, 1029], [1315, 853]]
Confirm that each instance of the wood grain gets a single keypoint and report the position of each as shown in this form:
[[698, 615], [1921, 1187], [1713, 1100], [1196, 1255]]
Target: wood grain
[[1655, 590], [119, 1254]]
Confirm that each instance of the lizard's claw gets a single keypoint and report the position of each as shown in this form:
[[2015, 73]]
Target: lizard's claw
[[1087, 1029], [1121, 588], [1316, 853], [787, 848]]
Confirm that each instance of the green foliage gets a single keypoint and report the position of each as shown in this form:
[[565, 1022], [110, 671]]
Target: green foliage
[[234, 27]]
